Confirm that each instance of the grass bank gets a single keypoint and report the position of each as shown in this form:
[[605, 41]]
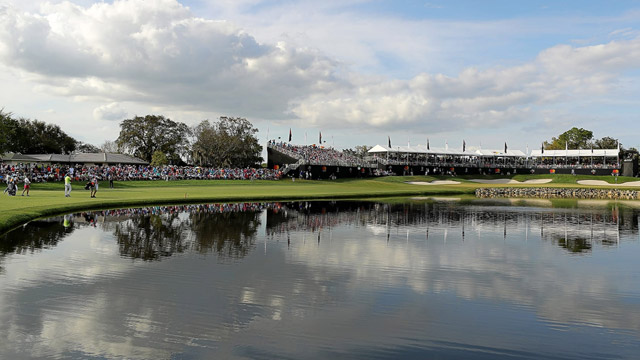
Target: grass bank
[[48, 199]]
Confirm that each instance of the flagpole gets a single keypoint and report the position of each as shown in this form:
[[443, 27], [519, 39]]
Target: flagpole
[[266, 147]]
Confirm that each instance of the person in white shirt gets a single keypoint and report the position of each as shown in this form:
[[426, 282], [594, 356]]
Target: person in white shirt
[[27, 186]]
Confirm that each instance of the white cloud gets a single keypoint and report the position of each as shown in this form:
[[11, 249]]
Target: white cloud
[[112, 112], [157, 52], [159, 55]]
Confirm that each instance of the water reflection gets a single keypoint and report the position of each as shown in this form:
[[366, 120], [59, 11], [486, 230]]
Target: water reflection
[[412, 279], [151, 233], [574, 229], [38, 235]]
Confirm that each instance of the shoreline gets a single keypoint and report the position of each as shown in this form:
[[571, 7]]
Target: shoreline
[[16, 211], [48, 200]]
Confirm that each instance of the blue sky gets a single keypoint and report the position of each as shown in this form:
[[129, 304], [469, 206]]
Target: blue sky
[[357, 70]]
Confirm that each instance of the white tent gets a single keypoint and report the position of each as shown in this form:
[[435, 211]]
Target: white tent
[[501, 153], [421, 149], [610, 153]]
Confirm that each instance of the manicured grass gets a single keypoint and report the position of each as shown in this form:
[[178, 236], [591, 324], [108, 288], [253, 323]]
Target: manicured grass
[[48, 199]]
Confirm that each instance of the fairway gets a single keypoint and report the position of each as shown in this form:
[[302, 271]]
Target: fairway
[[48, 198]]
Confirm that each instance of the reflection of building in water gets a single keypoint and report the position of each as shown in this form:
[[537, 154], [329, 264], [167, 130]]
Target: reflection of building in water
[[230, 230], [575, 229]]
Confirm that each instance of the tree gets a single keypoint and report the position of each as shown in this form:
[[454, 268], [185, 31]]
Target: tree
[[159, 159], [575, 138], [631, 153], [7, 127], [33, 137], [109, 147], [142, 136], [606, 143], [359, 151], [86, 148], [230, 142]]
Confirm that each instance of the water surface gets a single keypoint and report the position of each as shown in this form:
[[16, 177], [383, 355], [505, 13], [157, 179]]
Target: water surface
[[376, 280]]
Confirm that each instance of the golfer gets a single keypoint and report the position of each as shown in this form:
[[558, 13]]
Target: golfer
[[27, 186], [67, 186]]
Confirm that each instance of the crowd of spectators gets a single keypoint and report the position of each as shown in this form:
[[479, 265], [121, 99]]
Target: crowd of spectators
[[515, 162], [317, 155], [218, 208], [50, 173]]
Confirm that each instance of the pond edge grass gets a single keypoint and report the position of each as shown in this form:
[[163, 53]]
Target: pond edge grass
[[15, 220]]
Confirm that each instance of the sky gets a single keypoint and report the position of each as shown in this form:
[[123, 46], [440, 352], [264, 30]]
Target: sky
[[358, 71]]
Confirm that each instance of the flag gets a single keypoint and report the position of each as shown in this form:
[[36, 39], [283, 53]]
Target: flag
[[389, 137], [428, 145], [320, 137], [542, 148], [289, 134], [464, 146], [505, 147]]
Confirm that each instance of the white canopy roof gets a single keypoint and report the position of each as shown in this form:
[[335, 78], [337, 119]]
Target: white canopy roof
[[509, 153], [576, 153], [422, 149]]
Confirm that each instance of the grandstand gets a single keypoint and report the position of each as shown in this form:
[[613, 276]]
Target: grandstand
[[321, 162], [314, 162]]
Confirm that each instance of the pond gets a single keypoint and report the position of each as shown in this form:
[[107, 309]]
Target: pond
[[387, 279]]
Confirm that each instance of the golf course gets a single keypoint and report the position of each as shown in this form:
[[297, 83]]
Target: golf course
[[47, 199]]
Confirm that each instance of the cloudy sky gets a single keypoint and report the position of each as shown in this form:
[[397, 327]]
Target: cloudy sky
[[356, 70]]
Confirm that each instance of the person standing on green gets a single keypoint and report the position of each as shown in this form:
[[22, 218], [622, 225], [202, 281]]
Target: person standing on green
[[67, 186]]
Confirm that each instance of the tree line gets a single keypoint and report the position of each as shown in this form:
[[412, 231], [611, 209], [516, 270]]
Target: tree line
[[26, 136], [227, 142], [579, 138]]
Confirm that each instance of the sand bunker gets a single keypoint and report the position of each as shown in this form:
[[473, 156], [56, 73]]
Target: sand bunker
[[604, 183], [481, 181], [537, 181], [435, 182], [495, 181], [510, 181]]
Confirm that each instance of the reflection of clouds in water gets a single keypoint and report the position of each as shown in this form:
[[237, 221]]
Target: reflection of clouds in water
[[353, 290], [480, 268], [61, 332], [67, 261], [84, 260]]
